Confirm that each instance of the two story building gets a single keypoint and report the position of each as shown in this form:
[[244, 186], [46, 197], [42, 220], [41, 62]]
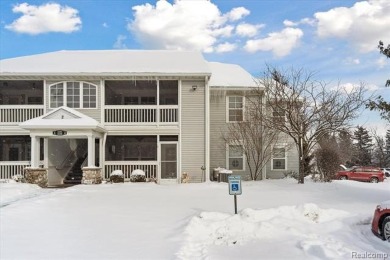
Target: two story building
[[69, 113]]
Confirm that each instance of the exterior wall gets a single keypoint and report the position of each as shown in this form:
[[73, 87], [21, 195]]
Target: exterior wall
[[292, 163], [95, 113], [218, 126], [193, 129]]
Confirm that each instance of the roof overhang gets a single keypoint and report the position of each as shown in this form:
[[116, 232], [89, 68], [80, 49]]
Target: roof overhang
[[63, 118]]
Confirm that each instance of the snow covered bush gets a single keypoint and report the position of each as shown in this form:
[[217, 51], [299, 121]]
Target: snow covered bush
[[117, 176], [18, 178], [291, 174], [138, 176]]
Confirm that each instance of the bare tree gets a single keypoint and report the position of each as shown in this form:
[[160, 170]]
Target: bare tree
[[256, 139], [308, 109], [327, 157]]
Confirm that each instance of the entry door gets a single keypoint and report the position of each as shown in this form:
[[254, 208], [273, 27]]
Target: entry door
[[168, 164]]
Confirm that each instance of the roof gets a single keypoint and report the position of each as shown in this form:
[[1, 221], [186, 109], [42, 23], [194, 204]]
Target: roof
[[230, 75], [63, 117], [108, 62], [128, 63]]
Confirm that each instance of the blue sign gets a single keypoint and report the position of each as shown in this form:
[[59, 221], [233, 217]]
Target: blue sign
[[235, 185]]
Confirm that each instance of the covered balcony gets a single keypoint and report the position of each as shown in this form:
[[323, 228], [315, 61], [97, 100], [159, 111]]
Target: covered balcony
[[20, 100], [148, 102]]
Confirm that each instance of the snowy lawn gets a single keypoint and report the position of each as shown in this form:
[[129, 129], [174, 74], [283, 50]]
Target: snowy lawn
[[278, 219]]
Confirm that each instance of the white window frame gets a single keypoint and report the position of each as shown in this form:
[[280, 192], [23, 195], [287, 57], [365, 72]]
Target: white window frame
[[228, 157], [228, 108], [284, 146], [81, 94]]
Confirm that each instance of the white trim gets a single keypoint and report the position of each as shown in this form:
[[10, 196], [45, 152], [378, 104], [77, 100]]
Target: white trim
[[228, 157], [179, 85], [285, 157], [178, 174], [228, 109], [65, 94]]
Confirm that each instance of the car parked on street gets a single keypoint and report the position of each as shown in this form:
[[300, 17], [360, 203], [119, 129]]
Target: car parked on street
[[380, 225], [386, 171], [361, 173]]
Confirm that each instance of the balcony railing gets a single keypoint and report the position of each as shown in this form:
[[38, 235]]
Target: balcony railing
[[10, 168], [148, 114], [127, 167], [12, 114]]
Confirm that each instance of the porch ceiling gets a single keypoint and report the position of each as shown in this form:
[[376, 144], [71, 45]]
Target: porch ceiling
[[64, 118]]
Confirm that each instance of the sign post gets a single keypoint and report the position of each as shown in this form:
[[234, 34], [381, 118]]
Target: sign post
[[235, 189]]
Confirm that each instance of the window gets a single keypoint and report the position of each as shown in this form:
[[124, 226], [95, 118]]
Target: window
[[235, 109], [57, 95], [89, 96], [21, 92], [130, 92], [279, 115], [75, 95], [131, 148], [279, 158], [169, 92], [236, 157]]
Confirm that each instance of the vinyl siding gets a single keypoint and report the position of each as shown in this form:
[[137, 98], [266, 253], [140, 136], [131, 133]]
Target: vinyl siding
[[193, 129], [218, 126], [91, 112], [292, 164]]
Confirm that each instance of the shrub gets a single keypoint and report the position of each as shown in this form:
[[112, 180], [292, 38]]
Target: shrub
[[138, 176]]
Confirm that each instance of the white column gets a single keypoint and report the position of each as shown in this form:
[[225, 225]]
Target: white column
[[91, 151], [35, 147]]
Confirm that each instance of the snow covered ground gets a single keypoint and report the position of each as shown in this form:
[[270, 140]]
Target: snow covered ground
[[277, 219]]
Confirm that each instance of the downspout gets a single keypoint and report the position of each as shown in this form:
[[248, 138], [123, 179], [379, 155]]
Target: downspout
[[207, 133]]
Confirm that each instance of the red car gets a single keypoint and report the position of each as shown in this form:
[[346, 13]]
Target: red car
[[361, 173], [381, 222]]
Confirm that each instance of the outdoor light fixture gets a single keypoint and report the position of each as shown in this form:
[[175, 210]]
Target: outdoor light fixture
[[194, 87]]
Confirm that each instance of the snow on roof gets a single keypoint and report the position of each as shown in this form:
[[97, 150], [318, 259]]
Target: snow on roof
[[62, 117], [112, 62], [229, 75]]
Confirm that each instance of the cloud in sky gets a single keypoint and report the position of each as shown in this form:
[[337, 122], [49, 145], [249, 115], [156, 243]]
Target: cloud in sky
[[280, 43], [190, 25], [120, 42], [50, 17], [363, 24]]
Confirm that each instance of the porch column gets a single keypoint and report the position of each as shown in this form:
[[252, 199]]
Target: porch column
[[91, 151], [35, 151]]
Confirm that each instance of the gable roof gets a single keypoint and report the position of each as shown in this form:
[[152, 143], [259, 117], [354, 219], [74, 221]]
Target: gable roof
[[230, 75], [63, 118], [108, 62]]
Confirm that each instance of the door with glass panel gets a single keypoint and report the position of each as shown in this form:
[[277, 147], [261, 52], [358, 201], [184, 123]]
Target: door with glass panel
[[168, 163]]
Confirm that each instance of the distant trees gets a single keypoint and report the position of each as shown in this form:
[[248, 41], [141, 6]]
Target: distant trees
[[380, 104], [363, 146], [307, 110]]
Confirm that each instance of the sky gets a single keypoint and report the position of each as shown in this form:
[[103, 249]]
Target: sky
[[336, 39]]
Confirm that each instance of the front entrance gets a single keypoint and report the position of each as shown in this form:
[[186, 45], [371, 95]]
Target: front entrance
[[168, 163]]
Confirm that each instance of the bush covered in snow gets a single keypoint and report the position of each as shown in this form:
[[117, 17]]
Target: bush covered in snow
[[18, 178], [117, 176], [291, 174], [138, 176]]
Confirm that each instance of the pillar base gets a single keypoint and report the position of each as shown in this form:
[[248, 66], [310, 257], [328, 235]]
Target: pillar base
[[92, 175], [36, 176]]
